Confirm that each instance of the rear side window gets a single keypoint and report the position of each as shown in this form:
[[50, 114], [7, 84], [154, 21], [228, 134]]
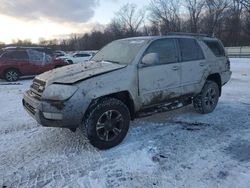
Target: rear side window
[[19, 55], [82, 55], [190, 50], [216, 48], [36, 55], [166, 50]]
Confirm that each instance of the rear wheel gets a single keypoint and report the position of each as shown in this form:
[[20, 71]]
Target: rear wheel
[[207, 100], [11, 75], [107, 123]]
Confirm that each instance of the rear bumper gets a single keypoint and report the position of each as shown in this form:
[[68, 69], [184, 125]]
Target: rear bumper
[[225, 77], [68, 114]]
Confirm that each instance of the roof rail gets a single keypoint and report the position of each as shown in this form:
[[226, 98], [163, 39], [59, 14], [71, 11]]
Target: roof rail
[[25, 47], [189, 34]]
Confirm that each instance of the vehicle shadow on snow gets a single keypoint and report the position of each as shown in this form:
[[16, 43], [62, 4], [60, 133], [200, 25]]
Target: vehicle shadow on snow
[[139, 128], [170, 118], [20, 82], [239, 150], [185, 119]]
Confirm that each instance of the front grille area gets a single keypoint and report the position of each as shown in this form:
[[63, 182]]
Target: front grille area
[[37, 88]]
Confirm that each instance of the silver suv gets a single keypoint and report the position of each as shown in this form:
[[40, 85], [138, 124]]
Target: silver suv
[[127, 79]]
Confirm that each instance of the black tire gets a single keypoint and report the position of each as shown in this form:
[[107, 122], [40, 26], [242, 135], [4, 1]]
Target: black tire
[[208, 99], [107, 123], [11, 75]]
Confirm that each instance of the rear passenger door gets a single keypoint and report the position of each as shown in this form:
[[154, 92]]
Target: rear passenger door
[[193, 64], [160, 82]]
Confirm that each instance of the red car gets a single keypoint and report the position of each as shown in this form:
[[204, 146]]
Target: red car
[[16, 62]]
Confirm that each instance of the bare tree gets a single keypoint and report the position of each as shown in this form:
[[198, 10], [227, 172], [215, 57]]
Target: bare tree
[[2, 45], [116, 29], [167, 14], [19, 42], [194, 8], [214, 12], [233, 24], [130, 18], [246, 4]]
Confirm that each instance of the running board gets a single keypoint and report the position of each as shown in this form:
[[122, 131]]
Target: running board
[[163, 108]]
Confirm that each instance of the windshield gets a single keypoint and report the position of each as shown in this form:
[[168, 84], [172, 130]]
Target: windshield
[[121, 51]]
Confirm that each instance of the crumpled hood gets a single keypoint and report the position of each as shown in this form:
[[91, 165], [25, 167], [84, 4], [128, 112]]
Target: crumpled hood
[[76, 72]]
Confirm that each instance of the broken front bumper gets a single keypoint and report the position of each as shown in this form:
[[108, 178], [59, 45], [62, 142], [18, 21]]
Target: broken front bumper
[[64, 114]]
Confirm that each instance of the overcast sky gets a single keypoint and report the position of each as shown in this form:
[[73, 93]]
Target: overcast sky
[[34, 19]]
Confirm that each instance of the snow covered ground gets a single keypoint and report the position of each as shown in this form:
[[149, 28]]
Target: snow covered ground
[[174, 149]]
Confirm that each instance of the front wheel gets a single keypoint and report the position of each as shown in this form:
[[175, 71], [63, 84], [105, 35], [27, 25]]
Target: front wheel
[[207, 100], [11, 75], [107, 123]]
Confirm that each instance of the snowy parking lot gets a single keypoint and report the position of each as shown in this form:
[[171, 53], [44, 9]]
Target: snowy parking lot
[[174, 149]]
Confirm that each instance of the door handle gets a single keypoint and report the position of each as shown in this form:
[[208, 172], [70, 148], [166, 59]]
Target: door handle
[[175, 68]]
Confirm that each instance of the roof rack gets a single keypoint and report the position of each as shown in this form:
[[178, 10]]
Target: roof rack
[[189, 34], [26, 47]]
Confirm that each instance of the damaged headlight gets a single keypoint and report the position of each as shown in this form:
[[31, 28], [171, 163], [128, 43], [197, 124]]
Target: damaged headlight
[[58, 92]]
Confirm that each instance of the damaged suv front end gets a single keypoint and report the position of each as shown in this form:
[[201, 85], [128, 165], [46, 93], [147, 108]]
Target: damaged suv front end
[[61, 97], [56, 98], [56, 106]]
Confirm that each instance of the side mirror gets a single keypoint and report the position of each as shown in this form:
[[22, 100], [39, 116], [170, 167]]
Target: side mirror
[[151, 59]]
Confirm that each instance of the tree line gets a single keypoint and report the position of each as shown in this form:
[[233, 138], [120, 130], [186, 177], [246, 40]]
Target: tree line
[[228, 20]]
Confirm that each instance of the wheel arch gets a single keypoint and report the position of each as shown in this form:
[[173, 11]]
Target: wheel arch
[[11, 68], [123, 96], [217, 79]]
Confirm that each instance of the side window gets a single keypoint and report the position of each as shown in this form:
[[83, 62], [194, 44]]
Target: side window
[[6, 55], [216, 48], [190, 50], [77, 55], [38, 57], [82, 55], [19, 55], [166, 50]]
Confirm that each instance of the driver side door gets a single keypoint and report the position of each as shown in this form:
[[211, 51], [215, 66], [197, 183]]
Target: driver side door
[[160, 82]]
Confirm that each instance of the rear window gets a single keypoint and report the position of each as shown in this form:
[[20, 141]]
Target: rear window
[[190, 50], [216, 48], [38, 57], [16, 55]]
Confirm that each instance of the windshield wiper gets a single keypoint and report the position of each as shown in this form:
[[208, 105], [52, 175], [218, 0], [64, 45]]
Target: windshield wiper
[[116, 62]]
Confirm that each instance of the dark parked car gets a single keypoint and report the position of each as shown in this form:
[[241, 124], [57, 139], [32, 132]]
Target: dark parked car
[[16, 62]]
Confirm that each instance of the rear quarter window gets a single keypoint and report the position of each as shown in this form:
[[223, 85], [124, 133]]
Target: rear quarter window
[[190, 50], [6, 55], [216, 48]]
